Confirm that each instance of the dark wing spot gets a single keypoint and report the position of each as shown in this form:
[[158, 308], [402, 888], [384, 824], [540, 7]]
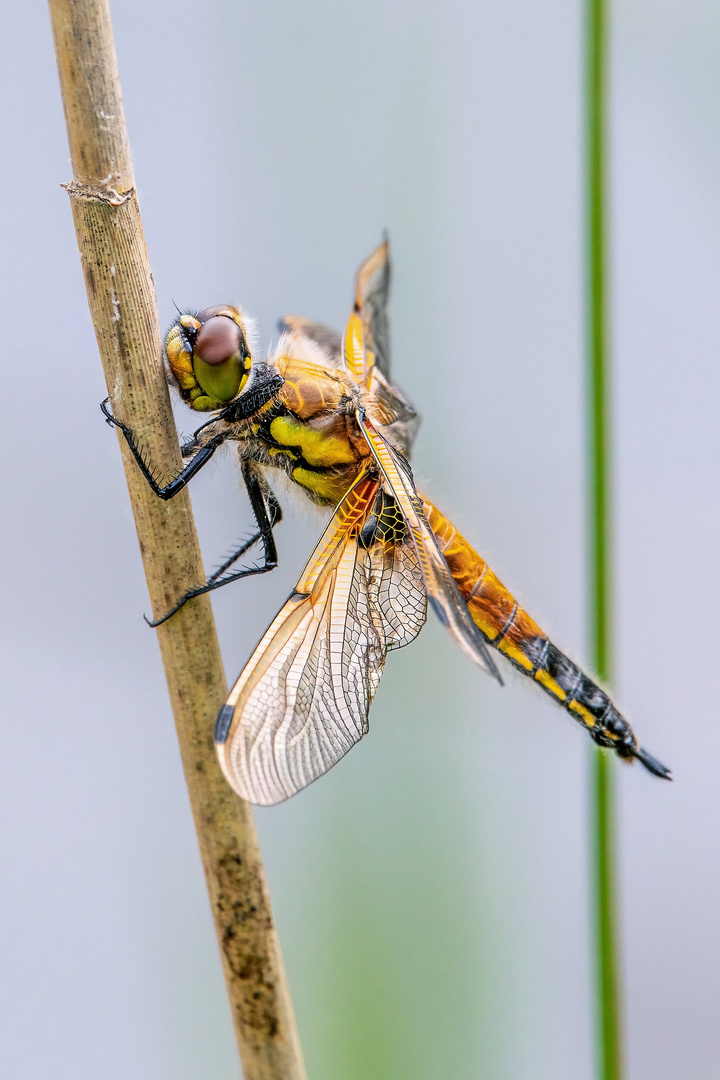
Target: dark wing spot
[[223, 722]]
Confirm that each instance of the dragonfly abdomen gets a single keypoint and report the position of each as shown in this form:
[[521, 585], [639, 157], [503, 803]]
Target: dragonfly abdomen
[[509, 629]]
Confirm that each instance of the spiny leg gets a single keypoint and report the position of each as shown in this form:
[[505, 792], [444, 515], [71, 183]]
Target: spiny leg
[[166, 491], [265, 386], [268, 514], [233, 558], [274, 516]]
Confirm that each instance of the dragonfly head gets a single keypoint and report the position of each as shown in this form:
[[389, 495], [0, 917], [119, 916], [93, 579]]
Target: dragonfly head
[[208, 357]]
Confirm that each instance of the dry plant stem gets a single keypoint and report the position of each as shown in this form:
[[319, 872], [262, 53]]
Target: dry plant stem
[[122, 303]]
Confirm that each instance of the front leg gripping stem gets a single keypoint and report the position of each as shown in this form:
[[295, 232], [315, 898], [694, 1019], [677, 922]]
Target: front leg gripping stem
[[167, 491]]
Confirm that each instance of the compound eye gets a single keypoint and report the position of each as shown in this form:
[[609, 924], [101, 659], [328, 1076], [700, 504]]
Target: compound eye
[[217, 341]]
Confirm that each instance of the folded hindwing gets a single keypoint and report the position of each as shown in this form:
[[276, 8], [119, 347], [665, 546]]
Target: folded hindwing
[[303, 700], [443, 593]]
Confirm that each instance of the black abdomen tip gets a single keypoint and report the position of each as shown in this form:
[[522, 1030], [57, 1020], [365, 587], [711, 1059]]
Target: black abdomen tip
[[223, 722], [652, 764]]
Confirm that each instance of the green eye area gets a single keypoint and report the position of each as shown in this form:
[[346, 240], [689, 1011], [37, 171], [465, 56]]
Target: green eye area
[[208, 357], [217, 361]]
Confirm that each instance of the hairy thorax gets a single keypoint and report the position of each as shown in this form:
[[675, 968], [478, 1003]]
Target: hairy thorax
[[309, 431]]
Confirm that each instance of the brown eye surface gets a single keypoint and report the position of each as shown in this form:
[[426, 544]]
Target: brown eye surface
[[217, 340]]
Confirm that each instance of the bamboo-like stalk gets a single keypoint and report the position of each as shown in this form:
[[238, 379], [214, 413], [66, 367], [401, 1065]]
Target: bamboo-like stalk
[[604, 858], [122, 303]]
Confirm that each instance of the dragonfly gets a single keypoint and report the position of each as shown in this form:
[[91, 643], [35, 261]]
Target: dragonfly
[[322, 409]]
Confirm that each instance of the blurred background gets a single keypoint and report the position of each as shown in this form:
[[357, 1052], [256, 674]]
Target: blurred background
[[431, 892]]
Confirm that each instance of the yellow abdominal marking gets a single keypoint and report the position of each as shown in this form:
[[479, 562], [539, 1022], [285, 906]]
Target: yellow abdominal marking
[[549, 683], [583, 713], [509, 649], [316, 447]]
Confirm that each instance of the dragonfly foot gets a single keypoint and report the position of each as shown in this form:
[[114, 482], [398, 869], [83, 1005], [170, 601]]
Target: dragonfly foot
[[109, 418]]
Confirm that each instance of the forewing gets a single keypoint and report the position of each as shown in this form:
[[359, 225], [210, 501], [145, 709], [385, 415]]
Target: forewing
[[303, 699], [372, 286], [443, 593]]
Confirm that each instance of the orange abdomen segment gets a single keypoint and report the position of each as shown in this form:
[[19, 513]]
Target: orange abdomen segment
[[494, 610], [512, 632]]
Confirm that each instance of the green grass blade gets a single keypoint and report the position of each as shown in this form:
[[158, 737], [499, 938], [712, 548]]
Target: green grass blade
[[608, 1010]]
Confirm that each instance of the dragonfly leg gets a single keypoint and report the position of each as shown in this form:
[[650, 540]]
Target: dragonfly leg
[[268, 514], [274, 513], [163, 491]]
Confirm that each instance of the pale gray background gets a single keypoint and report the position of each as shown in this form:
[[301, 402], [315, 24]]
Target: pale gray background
[[431, 893]]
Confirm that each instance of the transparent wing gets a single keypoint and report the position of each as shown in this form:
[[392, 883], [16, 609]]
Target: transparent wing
[[372, 284], [303, 699], [366, 345], [364, 349], [443, 593], [372, 287]]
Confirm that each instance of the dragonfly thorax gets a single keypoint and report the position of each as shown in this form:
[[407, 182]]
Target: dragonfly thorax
[[310, 430]]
